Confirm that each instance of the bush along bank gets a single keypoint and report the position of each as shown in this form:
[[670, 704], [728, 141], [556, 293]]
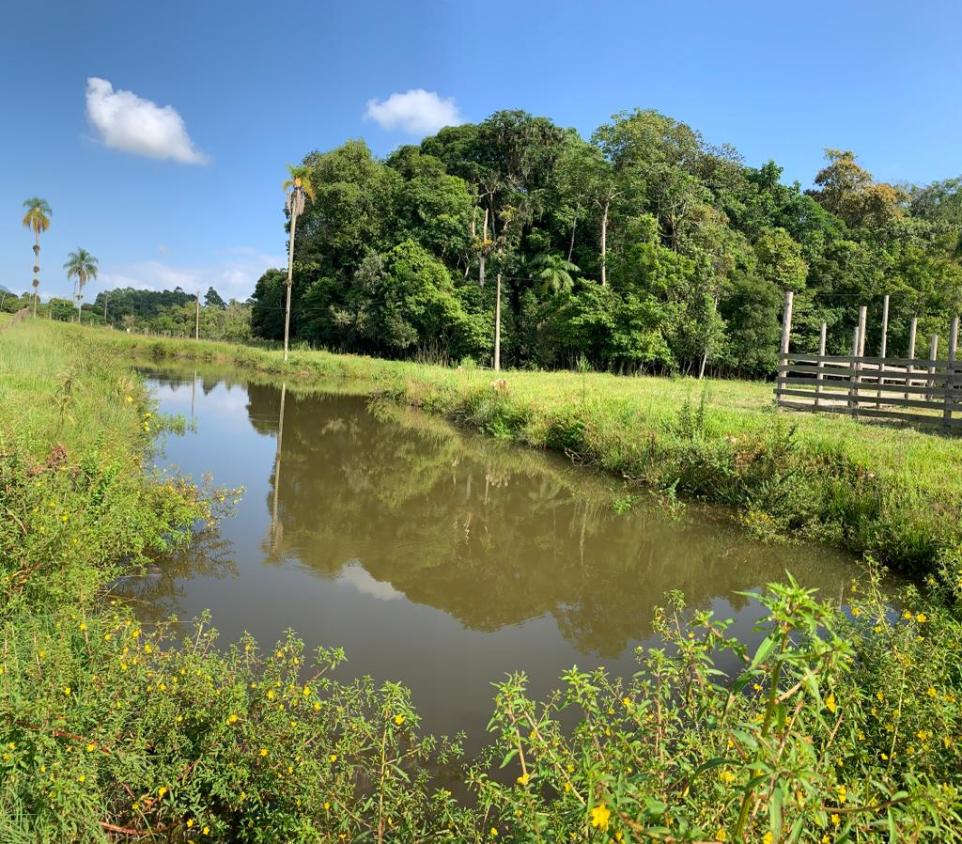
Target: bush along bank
[[841, 726]]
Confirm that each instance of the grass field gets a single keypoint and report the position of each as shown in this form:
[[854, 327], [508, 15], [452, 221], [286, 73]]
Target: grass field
[[894, 493]]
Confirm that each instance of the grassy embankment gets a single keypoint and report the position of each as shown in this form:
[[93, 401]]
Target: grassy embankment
[[890, 493], [843, 726]]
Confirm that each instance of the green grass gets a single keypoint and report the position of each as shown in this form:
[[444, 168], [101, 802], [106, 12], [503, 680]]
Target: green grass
[[894, 493]]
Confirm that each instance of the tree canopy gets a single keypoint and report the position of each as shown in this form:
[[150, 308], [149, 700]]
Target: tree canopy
[[643, 247]]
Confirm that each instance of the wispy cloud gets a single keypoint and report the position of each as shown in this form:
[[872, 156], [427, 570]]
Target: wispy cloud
[[130, 123], [234, 277], [417, 112]]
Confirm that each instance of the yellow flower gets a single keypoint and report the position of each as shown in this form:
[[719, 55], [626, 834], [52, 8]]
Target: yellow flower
[[842, 794], [82, 626], [190, 823], [81, 778], [830, 703], [270, 694], [307, 691], [263, 751], [148, 648], [720, 834], [836, 820], [399, 719], [921, 618], [327, 806], [493, 832], [317, 706], [727, 776], [67, 690], [232, 718], [767, 838], [333, 758], [162, 791], [907, 615], [206, 830], [91, 747], [523, 779], [599, 817], [931, 692], [626, 702]]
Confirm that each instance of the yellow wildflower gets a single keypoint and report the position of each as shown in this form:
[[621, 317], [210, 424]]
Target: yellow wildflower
[[599, 817], [81, 778], [333, 758], [162, 791], [399, 719], [190, 823], [836, 820], [232, 718], [263, 751], [91, 747], [720, 834], [727, 777], [921, 618], [830, 703], [931, 692], [523, 779]]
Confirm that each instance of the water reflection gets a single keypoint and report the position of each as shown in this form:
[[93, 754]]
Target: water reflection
[[438, 559]]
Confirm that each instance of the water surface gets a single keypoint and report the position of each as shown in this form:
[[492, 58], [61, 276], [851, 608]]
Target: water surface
[[439, 559]]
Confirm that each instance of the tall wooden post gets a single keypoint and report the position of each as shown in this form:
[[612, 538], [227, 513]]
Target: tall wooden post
[[786, 342], [933, 357], [859, 353], [822, 337], [853, 378], [862, 320], [910, 369], [950, 373], [883, 350], [197, 318], [497, 326]]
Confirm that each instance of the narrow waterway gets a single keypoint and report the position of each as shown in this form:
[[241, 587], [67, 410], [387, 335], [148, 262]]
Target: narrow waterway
[[435, 558]]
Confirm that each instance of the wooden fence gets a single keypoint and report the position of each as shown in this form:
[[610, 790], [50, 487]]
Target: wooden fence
[[920, 391]]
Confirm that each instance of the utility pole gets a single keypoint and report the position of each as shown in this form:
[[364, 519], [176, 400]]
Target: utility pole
[[197, 317]]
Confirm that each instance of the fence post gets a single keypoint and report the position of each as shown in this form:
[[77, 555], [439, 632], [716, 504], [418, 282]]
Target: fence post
[[913, 328], [883, 350], [786, 341], [950, 373], [853, 377], [859, 354], [821, 362], [933, 356]]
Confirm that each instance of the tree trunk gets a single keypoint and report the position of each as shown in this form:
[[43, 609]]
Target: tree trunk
[[484, 240], [290, 280], [36, 261], [604, 244], [497, 326], [571, 244]]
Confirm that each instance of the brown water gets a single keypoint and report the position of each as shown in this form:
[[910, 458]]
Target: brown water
[[435, 558]]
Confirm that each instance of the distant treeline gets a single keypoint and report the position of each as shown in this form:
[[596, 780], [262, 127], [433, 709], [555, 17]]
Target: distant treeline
[[167, 312], [642, 248]]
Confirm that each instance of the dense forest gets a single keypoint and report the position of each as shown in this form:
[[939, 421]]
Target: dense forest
[[642, 248]]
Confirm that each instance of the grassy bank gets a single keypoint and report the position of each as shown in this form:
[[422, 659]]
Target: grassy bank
[[843, 726], [895, 494]]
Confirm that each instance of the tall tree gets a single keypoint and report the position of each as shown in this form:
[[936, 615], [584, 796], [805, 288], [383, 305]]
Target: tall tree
[[298, 187], [81, 266], [37, 219]]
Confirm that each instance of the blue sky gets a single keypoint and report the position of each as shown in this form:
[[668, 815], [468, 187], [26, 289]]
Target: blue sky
[[256, 85]]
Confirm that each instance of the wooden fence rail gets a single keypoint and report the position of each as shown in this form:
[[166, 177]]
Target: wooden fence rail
[[921, 391], [917, 390]]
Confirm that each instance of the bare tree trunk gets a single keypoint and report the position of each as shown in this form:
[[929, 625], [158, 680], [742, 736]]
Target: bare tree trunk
[[36, 271], [484, 240], [290, 281], [574, 223], [497, 327], [197, 316], [604, 244]]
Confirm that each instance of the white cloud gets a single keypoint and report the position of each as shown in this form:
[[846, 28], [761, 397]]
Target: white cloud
[[417, 111], [130, 123], [233, 278]]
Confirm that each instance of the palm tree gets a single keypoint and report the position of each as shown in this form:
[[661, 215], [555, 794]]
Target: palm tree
[[554, 273], [297, 187], [81, 266], [37, 219]]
